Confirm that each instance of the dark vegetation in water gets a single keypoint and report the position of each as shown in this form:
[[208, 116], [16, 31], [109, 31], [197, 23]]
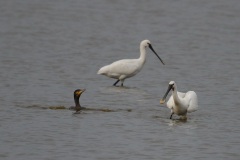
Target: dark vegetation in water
[[90, 109]]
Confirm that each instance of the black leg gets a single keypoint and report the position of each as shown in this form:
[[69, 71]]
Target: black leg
[[116, 82], [171, 116], [122, 84]]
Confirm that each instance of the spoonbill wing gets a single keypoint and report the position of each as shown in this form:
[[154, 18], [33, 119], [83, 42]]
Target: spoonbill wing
[[123, 67], [193, 101]]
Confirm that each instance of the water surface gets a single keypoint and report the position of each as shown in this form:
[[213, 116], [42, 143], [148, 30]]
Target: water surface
[[50, 48]]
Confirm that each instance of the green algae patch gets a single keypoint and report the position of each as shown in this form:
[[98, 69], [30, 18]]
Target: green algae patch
[[60, 107], [128, 110], [35, 107], [90, 109]]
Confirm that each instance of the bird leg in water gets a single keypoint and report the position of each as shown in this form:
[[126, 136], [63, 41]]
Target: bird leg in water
[[171, 116], [116, 82]]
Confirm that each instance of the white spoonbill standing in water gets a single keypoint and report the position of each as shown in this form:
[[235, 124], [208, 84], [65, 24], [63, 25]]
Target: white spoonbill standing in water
[[127, 68], [180, 103]]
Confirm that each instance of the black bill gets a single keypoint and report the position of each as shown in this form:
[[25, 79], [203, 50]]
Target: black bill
[[150, 46], [163, 100]]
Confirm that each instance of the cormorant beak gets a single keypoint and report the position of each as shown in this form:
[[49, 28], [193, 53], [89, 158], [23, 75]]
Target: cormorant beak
[[163, 100], [80, 92], [150, 46]]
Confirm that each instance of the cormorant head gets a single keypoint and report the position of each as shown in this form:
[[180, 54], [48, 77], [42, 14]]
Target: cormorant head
[[77, 93]]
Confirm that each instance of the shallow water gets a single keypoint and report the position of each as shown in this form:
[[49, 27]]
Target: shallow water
[[49, 49]]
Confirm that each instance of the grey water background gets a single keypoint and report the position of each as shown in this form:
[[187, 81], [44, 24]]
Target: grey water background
[[50, 48]]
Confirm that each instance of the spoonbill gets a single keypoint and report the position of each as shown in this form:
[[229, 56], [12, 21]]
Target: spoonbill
[[180, 103], [127, 68], [77, 93]]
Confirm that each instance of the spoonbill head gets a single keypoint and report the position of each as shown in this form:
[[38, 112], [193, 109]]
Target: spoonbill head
[[127, 68], [180, 103]]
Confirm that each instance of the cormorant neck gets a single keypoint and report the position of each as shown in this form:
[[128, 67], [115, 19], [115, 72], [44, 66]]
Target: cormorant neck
[[76, 99]]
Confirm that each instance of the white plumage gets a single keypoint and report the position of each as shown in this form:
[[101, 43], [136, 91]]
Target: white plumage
[[180, 103], [127, 68]]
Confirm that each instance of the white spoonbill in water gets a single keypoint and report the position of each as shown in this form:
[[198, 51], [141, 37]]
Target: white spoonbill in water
[[180, 103], [127, 68]]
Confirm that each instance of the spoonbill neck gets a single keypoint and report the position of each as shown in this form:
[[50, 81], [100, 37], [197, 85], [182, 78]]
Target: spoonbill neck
[[142, 57], [175, 95]]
